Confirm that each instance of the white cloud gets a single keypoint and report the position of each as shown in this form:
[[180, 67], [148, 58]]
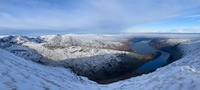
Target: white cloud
[[114, 15], [182, 29], [188, 29]]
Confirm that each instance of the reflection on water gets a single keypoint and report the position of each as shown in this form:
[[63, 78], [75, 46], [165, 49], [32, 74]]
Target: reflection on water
[[156, 63], [143, 48]]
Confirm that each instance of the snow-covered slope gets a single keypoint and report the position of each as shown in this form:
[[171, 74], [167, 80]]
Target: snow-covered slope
[[92, 41], [57, 47], [92, 58], [17, 73], [183, 74]]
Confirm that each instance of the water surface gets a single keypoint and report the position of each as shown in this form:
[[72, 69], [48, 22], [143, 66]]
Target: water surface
[[143, 48]]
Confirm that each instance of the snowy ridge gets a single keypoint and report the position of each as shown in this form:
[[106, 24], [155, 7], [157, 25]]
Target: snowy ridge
[[91, 41], [66, 47], [18, 73], [90, 62], [99, 37], [184, 74], [85, 57], [70, 52]]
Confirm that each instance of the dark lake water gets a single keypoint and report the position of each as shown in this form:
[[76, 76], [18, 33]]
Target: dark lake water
[[143, 48], [155, 63]]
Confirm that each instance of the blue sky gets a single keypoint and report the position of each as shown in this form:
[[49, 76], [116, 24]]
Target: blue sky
[[99, 16]]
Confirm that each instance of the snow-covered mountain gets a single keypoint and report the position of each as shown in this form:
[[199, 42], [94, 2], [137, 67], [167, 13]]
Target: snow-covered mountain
[[183, 74], [96, 59], [19, 73]]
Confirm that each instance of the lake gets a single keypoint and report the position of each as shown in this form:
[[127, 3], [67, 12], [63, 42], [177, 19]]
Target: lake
[[143, 48]]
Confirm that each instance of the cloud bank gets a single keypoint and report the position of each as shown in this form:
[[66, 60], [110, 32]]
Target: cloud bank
[[98, 16]]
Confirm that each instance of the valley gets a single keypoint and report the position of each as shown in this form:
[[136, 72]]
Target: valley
[[72, 62], [101, 60]]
